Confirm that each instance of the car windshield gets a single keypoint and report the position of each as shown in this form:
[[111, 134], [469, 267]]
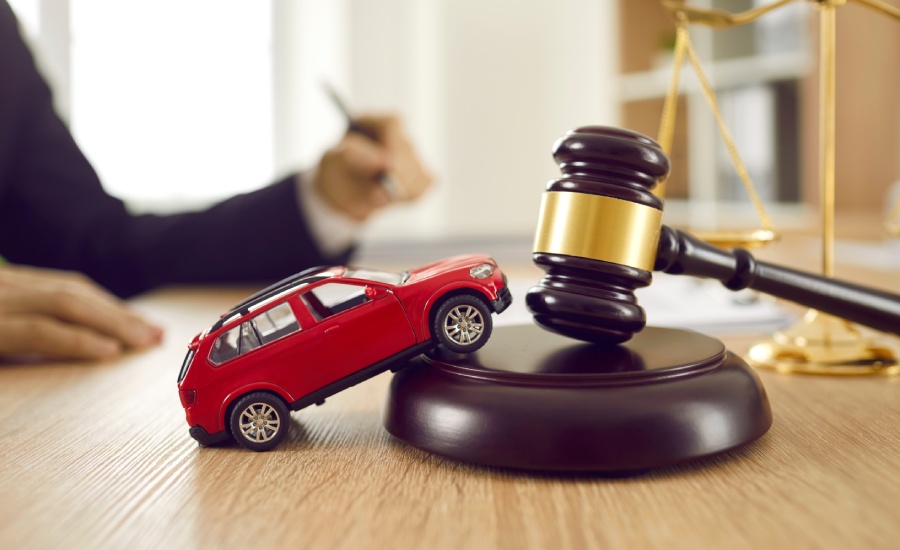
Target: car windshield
[[377, 276]]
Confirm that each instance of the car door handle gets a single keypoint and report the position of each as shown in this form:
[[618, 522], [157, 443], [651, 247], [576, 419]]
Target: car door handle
[[332, 329]]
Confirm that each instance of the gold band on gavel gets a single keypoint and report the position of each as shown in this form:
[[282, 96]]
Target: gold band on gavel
[[598, 228]]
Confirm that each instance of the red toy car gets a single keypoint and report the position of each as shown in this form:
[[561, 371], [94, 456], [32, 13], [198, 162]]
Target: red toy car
[[323, 330]]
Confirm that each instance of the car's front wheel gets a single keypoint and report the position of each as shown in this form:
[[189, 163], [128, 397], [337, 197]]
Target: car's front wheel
[[259, 421], [462, 324]]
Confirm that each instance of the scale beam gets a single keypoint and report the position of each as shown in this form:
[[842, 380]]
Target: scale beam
[[720, 19]]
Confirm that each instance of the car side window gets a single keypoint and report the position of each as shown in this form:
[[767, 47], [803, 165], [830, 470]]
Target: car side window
[[275, 323], [266, 327], [332, 298], [225, 347], [249, 338]]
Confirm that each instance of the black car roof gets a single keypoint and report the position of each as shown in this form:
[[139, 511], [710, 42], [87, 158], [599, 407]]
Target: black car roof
[[305, 277]]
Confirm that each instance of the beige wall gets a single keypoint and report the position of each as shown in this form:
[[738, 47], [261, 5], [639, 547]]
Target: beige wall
[[868, 111], [486, 88]]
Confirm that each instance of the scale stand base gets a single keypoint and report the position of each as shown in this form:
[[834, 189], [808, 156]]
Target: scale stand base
[[824, 344], [534, 400]]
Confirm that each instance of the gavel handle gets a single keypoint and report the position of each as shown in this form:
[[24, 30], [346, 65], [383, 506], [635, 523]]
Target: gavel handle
[[680, 253]]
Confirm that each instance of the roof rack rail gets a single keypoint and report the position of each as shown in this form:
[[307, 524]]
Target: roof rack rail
[[244, 306]]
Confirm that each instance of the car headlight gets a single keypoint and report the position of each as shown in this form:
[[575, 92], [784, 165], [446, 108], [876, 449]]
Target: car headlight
[[482, 271]]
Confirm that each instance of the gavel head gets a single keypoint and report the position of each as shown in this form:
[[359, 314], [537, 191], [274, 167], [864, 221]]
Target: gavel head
[[597, 234]]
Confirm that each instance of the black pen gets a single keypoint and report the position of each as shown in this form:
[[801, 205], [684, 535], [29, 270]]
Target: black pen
[[393, 189]]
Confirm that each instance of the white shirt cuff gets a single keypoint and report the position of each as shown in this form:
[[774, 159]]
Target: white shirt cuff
[[333, 231]]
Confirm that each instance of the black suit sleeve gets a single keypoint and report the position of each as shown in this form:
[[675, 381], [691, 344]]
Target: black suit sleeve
[[55, 213]]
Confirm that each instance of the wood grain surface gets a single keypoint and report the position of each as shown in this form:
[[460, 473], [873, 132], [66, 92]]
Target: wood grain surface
[[98, 456]]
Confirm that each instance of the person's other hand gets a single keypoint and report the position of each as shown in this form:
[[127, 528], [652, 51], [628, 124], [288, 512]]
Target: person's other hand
[[63, 314], [348, 174]]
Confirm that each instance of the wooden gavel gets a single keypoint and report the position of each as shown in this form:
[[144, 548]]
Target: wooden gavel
[[600, 235]]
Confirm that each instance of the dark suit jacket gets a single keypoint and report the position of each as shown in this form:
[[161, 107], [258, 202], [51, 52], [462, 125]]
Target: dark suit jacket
[[55, 213]]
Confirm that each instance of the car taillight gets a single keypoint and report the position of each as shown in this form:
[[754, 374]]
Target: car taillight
[[187, 397]]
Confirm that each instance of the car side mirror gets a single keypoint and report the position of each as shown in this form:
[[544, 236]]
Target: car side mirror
[[371, 292]]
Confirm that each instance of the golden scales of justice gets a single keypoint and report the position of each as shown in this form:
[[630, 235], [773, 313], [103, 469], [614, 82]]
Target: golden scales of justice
[[818, 343]]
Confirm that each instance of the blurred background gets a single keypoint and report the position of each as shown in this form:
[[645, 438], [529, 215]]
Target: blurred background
[[180, 103]]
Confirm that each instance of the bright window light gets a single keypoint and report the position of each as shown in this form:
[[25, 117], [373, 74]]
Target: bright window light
[[172, 101], [28, 12]]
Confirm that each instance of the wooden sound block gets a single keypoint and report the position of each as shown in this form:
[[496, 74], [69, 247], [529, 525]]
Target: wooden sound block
[[535, 400]]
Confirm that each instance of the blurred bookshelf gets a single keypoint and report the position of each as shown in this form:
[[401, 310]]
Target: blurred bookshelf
[[766, 80], [757, 72]]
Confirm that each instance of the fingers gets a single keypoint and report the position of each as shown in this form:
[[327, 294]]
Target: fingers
[[48, 336], [361, 175], [91, 310], [67, 315], [363, 158], [347, 177], [404, 164]]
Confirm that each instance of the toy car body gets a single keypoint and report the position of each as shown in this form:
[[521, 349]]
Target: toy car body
[[323, 330]]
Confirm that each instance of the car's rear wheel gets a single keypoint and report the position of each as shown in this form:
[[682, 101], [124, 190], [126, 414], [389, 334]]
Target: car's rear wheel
[[462, 324], [259, 421]]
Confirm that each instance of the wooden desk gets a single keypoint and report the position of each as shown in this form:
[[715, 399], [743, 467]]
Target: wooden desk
[[99, 455]]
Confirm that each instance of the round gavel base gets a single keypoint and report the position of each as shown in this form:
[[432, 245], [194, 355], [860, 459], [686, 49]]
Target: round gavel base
[[533, 400]]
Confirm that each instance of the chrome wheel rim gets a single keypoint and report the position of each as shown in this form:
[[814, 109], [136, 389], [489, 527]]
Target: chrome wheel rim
[[259, 423], [464, 325]]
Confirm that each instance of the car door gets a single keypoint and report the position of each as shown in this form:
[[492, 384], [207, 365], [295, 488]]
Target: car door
[[271, 346], [360, 324]]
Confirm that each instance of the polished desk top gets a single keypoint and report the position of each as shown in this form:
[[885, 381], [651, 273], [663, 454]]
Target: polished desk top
[[99, 455]]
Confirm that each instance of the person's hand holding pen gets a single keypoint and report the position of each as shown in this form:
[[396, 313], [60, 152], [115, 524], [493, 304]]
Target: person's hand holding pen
[[372, 166]]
